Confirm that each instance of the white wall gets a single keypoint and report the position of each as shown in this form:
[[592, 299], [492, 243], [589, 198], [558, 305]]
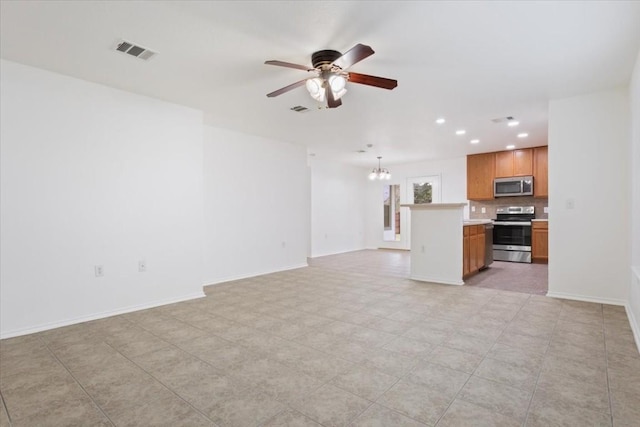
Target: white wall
[[256, 204], [94, 176], [634, 291], [453, 179], [337, 207], [589, 245]]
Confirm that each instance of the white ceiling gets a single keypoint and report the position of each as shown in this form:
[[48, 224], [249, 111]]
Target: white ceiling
[[469, 62]]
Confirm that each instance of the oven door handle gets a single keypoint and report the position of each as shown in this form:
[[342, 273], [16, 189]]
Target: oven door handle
[[511, 223]]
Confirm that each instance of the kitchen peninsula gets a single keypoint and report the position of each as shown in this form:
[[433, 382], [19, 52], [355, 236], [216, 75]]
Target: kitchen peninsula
[[437, 253]]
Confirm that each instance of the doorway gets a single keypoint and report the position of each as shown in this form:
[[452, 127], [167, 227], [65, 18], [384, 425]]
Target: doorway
[[396, 232]]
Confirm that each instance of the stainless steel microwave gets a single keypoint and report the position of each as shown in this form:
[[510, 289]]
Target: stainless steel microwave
[[515, 186]]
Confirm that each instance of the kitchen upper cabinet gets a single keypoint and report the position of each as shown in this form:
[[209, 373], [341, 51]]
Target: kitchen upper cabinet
[[483, 168], [540, 172], [540, 241], [514, 163], [480, 175]]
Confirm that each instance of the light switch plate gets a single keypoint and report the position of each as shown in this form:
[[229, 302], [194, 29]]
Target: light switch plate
[[99, 270]]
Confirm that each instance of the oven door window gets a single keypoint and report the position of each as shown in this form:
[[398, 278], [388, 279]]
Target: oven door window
[[516, 235]]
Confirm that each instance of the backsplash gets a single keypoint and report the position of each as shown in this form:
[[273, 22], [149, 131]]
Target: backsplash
[[492, 205]]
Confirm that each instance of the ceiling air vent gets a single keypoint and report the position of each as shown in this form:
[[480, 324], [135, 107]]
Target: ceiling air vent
[[502, 119], [134, 50], [299, 109]]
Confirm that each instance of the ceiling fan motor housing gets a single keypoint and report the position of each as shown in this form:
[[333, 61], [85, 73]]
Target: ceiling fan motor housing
[[324, 57]]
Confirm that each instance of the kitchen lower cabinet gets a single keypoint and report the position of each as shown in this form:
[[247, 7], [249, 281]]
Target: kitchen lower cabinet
[[540, 242], [473, 247], [465, 251]]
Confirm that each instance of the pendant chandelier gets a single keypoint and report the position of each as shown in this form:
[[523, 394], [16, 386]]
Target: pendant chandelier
[[379, 173]]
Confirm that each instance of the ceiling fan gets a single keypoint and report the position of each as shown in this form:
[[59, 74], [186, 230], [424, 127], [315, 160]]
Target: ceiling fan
[[330, 75]]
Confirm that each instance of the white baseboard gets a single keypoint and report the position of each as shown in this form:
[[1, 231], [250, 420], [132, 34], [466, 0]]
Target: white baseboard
[[635, 326], [214, 282], [335, 253], [633, 294], [102, 315], [575, 297], [437, 280]]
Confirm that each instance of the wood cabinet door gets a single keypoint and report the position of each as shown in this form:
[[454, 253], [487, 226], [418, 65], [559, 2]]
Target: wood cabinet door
[[504, 164], [480, 174], [523, 162], [465, 255], [540, 172], [473, 253], [481, 248], [540, 242]]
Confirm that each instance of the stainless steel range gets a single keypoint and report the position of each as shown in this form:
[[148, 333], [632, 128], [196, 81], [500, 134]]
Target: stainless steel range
[[512, 233]]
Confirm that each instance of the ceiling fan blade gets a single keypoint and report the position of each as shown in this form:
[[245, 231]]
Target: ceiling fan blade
[[354, 55], [364, 79], [288, 65], [286, 88], [331, 101]]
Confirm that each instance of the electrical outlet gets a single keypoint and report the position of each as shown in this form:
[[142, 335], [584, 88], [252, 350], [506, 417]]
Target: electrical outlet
[[142, 266], [484, 210], [546, 209], [99, 270], [473, 208]]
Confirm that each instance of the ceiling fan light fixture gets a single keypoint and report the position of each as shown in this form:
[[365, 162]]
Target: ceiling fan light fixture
[[315, 89], [331, 79], [337, 83], [338, 95]]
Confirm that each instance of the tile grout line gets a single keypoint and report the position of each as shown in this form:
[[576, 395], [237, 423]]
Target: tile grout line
[[79, 384], [606, 358], [544, 356], [4, 405], [476, 368], [163, 384], [286, 404]]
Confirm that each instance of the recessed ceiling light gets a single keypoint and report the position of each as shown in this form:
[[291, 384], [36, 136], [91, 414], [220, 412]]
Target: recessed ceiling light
[[513, 123], [523, 135], [474, 141], [511, 147], [461, 132], [440, 121]]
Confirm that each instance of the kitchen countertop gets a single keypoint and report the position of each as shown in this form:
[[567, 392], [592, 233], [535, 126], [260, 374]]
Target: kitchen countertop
[[477, 221]]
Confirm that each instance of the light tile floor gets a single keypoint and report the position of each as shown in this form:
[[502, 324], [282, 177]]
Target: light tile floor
[[507, 276], [323, 346]]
